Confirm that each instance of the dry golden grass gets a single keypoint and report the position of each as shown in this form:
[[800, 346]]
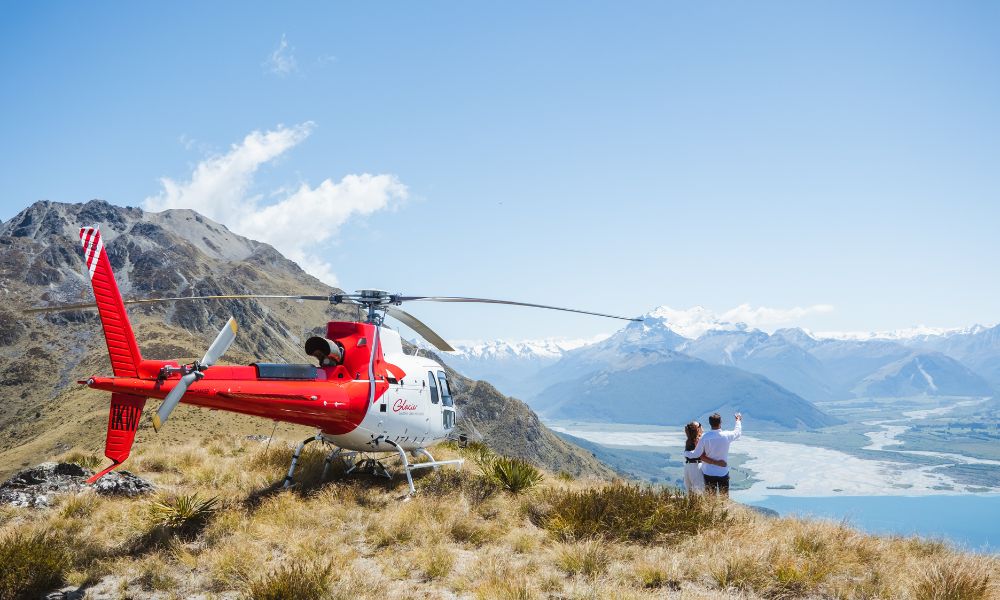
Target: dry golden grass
[[358, 537]]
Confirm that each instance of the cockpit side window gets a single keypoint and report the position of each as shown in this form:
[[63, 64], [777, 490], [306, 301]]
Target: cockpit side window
[[433, 385], [445, 390]]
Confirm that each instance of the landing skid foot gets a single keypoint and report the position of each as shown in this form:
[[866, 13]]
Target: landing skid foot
[[295, 458]]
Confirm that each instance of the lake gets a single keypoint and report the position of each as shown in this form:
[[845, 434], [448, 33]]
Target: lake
[[968, 521]]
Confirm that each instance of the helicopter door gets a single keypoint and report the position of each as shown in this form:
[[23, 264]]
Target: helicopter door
[[446, 402]]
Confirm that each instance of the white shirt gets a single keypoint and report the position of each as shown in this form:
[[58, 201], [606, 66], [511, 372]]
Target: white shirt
[[715, 445]]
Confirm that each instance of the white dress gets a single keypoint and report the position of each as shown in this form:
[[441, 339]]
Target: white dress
[[694, 481]]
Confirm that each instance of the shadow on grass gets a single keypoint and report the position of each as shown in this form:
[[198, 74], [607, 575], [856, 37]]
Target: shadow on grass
[[309, 479]]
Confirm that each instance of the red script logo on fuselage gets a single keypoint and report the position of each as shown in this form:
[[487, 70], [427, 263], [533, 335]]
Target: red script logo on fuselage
[[401, 404]]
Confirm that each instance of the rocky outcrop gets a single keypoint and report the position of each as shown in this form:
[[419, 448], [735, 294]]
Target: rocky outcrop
[[38, 486], [123, 483]]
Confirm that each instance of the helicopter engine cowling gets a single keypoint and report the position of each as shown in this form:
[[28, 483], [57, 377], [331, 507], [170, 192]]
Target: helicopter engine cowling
[[331, 351]]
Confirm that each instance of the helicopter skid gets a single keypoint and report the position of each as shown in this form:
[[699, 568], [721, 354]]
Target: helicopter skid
[[368, 464]]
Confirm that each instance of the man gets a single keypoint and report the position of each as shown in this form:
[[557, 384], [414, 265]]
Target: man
[[715, 445]]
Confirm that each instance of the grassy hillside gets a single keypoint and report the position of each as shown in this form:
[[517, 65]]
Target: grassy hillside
[[460, 537]]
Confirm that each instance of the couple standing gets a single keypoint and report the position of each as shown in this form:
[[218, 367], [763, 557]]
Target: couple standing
[[706, 456]]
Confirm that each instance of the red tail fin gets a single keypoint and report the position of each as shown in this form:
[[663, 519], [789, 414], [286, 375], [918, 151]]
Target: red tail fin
[[124, 351], [126, 409], [123, 420]]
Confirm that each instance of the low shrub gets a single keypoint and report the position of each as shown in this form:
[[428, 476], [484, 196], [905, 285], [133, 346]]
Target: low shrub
[[32, 564], [627, 512], [299, 581]]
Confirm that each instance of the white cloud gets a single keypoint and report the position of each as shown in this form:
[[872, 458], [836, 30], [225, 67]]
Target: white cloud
[[299, 220], [765, 317], [693, 322], [282, 62]]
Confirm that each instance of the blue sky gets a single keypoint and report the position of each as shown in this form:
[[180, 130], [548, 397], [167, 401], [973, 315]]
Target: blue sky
[[607, 156]]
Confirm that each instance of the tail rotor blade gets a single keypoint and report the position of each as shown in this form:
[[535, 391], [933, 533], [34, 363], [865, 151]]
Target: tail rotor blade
[[170, 402], [221, 343]]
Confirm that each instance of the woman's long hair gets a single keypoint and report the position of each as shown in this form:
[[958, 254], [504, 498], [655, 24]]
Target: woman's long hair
[[691, 431]]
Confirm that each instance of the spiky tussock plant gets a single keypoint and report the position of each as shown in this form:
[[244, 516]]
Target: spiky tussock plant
[[184, 513], [511, 474]]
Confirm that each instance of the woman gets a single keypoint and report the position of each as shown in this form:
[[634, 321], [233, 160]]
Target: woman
[[694, 481]]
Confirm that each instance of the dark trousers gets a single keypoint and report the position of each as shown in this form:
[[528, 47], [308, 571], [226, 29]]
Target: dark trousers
[[717, 485]]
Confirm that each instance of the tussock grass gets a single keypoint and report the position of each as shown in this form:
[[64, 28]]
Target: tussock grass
[[628, 512], [588, 558], [303, 582], [77, 506], [31, 564], [87, 461], [438, 562], [954, 580]]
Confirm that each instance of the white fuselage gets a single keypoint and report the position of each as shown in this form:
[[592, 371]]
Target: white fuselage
[[416, 411]]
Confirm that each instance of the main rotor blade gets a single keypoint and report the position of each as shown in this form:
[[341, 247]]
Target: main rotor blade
[[44, 309], [510, 302], [416, 325], [170, 402], [221, 343]]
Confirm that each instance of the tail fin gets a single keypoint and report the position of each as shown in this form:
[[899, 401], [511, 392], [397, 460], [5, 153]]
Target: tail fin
[[126, 409], [123, 420], [122, 348]]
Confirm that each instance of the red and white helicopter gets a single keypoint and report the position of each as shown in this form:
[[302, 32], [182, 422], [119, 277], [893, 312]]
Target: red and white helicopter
[[365, 397]]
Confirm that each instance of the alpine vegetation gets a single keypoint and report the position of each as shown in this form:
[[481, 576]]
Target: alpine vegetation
[[224, 527]]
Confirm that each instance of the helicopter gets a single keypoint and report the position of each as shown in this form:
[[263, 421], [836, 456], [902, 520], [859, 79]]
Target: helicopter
[[365, 397]]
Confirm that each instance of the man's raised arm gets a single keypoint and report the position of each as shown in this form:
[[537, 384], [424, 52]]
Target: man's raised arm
[[737, 431]]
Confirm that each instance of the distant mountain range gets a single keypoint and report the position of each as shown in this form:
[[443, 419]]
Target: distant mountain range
[[649, 373]]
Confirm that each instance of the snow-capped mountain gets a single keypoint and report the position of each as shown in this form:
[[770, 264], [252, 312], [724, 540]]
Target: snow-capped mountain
[[933, 374], [909, 334], [507, 365], [812, 366], [977, 347]]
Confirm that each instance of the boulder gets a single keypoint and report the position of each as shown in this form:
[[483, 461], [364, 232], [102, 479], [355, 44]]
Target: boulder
[[122, 483]]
